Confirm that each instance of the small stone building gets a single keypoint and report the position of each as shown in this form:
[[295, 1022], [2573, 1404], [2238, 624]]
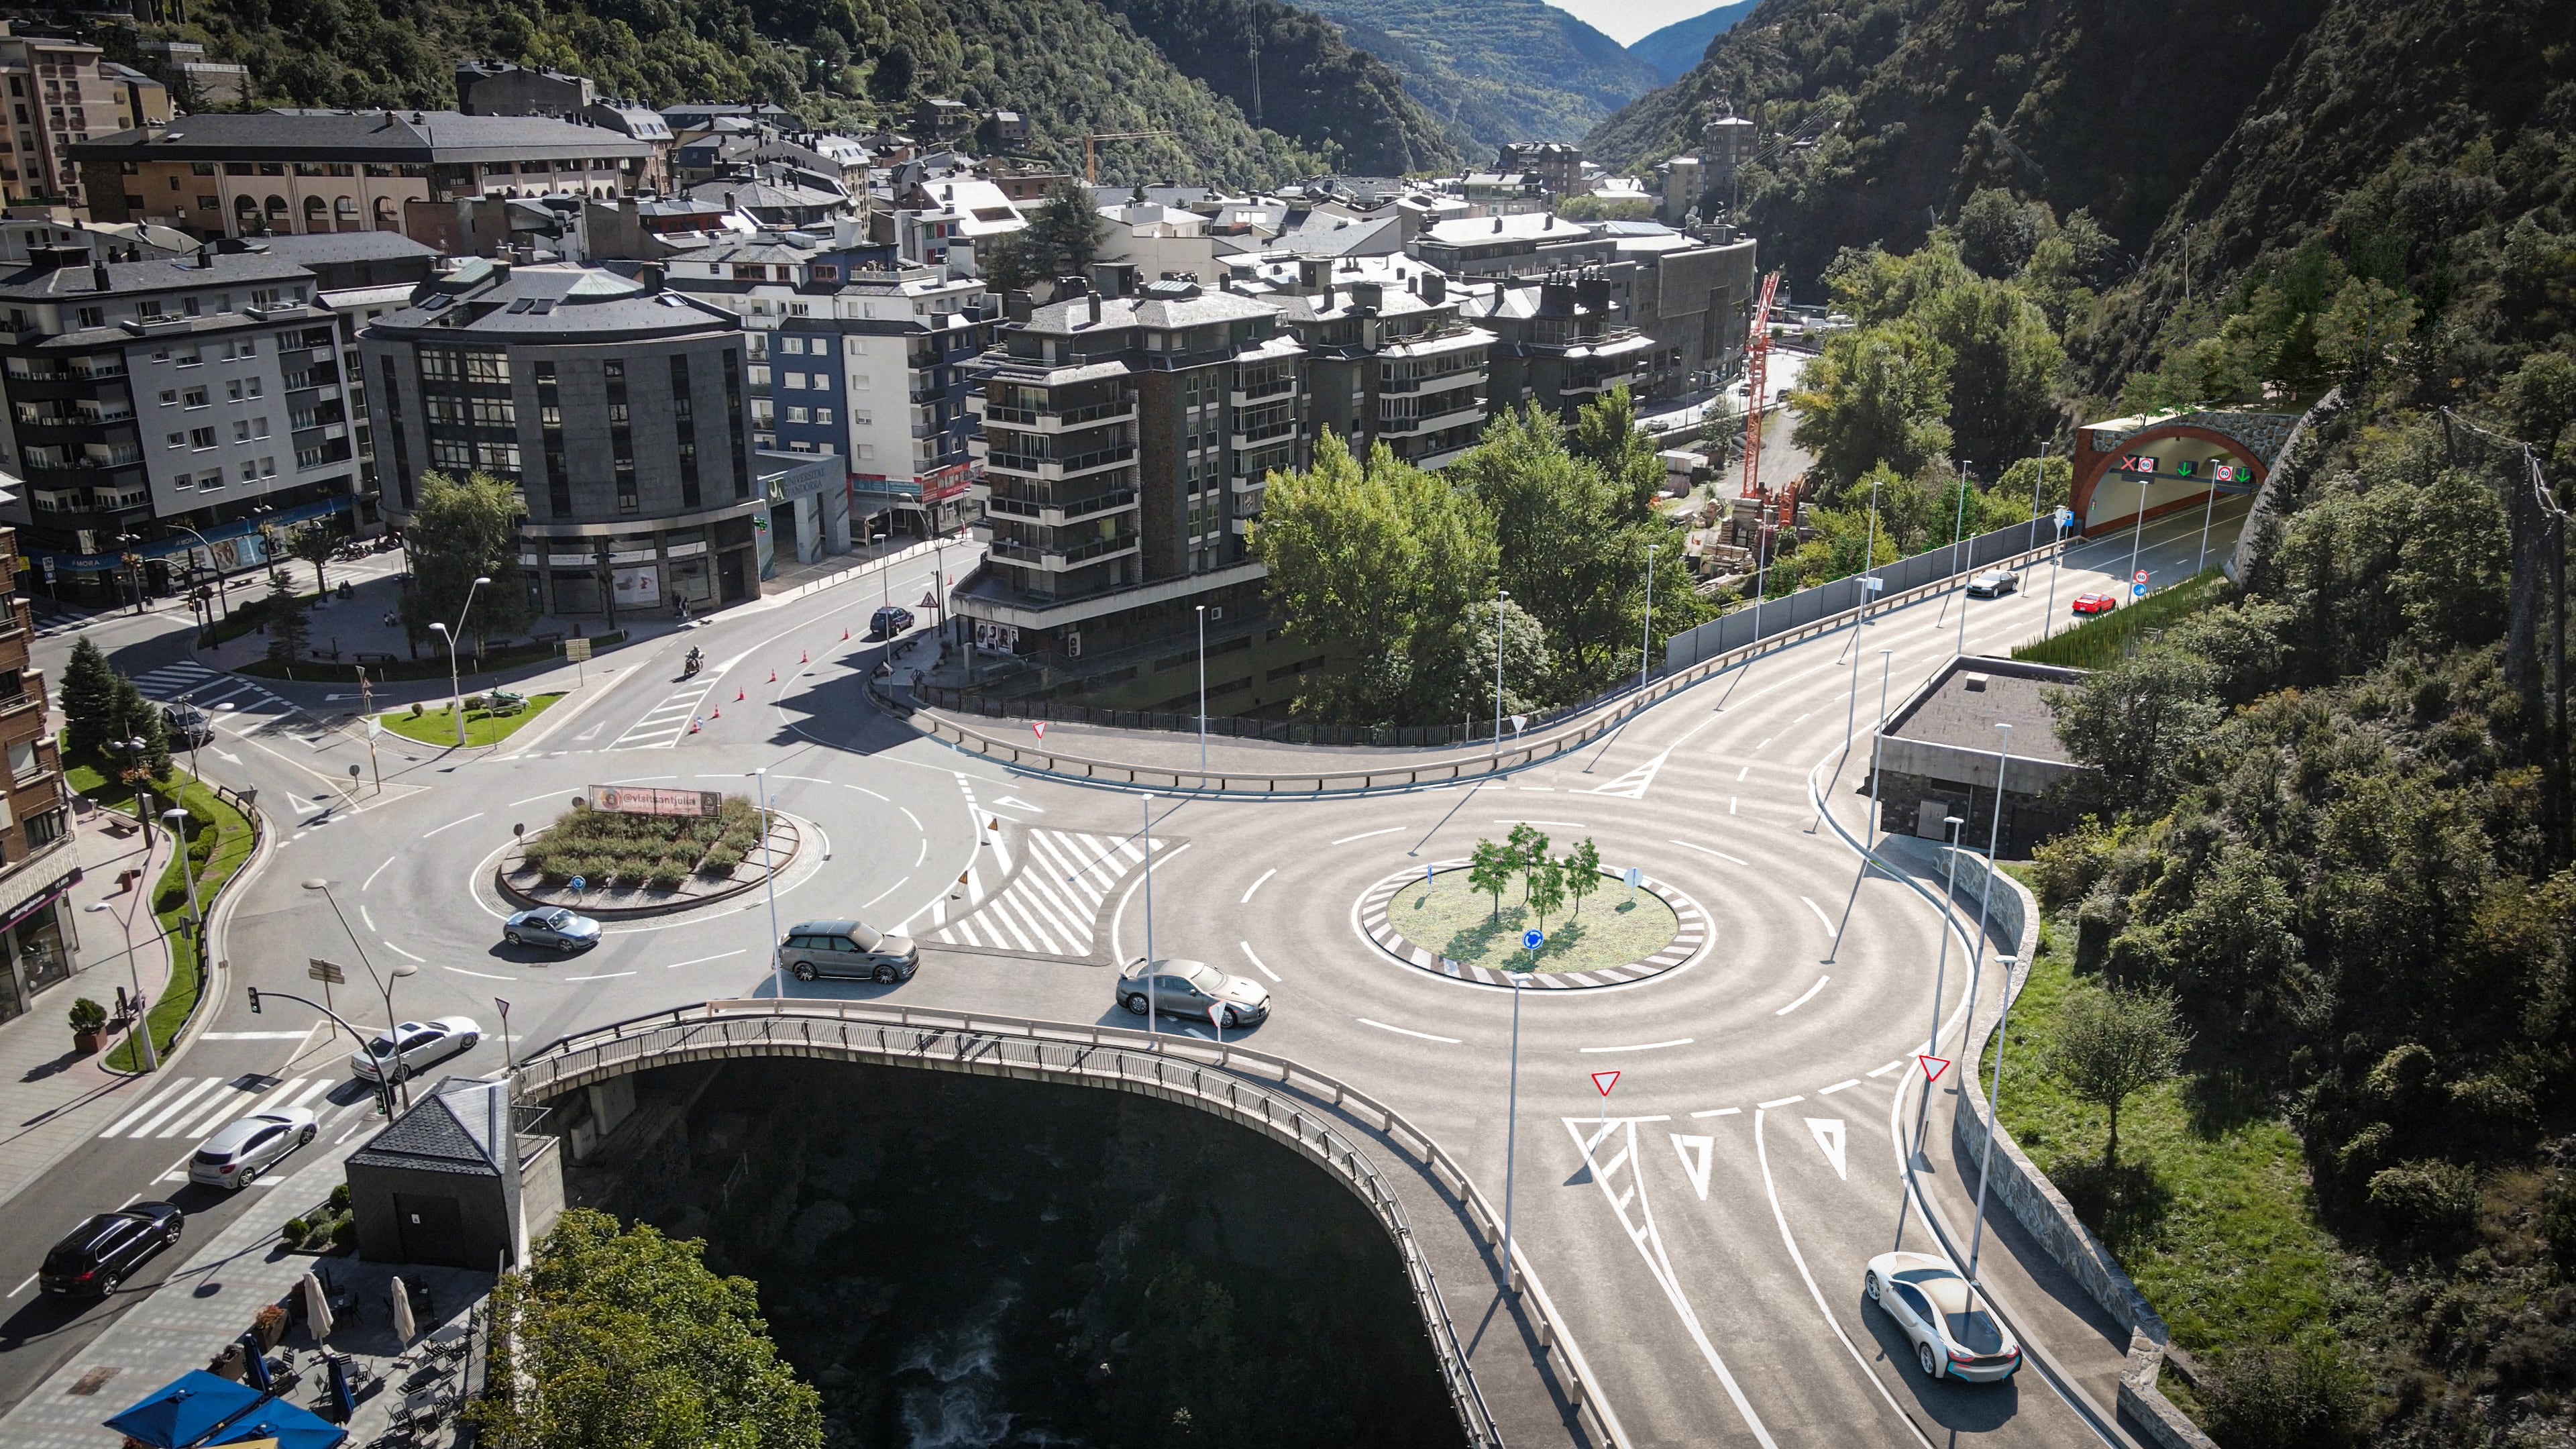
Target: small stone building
[[448, 1182], [1940, 755]]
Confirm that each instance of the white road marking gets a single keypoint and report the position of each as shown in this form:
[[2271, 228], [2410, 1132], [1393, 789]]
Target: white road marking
[[915, 819], [160, 1107], [924, 852], [1821, 918], [1762, 1150], [1730, 804], [1829, 1136], [362, 915], [452, 824], [1803, 1000], [604, 976], [1720, 854], [486, 975], [1761, 1107], [1365, 834], [1407, 1031], [1838, 1086], [1643, 1046], [1740, 774], [889, 890], [1256, 961], [379, 870], [1766, 739], [1883, 1071], [531, 800], [702, 960], [1719, 1112], [1256, 885], [21, 1288], [399, 951], [1559, 824], [1694, 1154]]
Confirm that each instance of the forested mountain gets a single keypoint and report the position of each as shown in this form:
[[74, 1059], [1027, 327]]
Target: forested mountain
[[1677, 47], [1070, 65], [1908, 106], [1497, 70]]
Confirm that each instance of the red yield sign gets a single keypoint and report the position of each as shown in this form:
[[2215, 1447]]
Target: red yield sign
[[1602, 1082], [1933, 1067]]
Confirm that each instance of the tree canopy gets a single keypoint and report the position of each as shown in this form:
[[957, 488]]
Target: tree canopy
[[462, 531]]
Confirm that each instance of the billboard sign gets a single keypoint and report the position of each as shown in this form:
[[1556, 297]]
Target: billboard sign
[[629, 800]]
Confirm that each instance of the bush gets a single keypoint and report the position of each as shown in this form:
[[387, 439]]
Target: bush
[[2283, 1398], [2425, 1196], [417, 709], [721, 861], [293, 1233], [344, 1234], [340, 1198], [666, 875], [88, 1015]]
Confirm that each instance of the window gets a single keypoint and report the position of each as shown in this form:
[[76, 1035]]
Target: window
[[201, 438], [191, 358], [169, 397], [259, 427], [181, 481], [178, 440], [233, 390], [823, 416], [93, 316], [241, 430], [797, 415], [494, 412]]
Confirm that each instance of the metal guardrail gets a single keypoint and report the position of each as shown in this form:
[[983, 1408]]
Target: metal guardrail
[[1605, 716], [1207, 1076]]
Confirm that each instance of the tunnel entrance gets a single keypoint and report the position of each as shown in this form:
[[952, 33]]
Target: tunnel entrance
[[969, 1261]]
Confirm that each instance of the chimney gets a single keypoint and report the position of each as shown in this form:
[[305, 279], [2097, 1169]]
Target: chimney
[[1095, 309], [98, 276], [1314, 272], [1371, 295], [1498, 222], [1435, 288], [651, 276], [1016, 304]]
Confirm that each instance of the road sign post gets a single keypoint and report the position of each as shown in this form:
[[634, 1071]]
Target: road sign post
[[330, 976], [578, 651], [1511, 1130], [1602, 1082]]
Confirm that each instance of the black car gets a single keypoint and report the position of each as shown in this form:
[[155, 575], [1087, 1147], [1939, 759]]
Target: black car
[[189, 728], [99, 1254], [889, 621]]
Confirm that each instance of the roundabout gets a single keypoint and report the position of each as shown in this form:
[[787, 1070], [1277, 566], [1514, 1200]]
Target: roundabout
[[1436, 922]]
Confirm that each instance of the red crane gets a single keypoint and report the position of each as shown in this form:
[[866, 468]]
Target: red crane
[[1757, 356]]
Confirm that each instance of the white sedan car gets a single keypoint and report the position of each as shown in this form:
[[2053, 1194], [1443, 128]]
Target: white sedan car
[[414, 1046], [249, 1146], [1953, 1329]]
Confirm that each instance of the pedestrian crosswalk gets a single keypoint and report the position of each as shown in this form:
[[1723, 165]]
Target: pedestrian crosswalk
[[193, 1107], [1052, 905], [192, 683], [666, 723]]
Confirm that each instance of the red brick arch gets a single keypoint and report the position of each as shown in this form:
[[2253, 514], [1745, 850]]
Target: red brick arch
[[2091, 467]]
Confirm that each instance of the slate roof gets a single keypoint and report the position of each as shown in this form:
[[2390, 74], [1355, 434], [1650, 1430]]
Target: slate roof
[[384, 137], [447, 1131], [535, 304]]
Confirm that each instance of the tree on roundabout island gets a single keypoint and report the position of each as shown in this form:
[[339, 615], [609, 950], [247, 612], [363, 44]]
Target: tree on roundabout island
[[1546, 889], [1489, 869], [1528, 845], [1582, 871]]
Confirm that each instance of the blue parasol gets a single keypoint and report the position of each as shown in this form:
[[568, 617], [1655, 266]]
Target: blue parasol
[[291, 1427], [184, 1409]]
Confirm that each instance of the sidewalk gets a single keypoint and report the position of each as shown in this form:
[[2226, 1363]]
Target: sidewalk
[[51, 1099]]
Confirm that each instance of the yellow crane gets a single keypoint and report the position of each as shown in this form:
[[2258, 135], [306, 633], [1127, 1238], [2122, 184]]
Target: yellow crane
[[1091, 156]]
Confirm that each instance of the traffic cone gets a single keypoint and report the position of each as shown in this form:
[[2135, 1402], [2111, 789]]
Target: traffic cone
[[718, 713], [737, 696], [801, 659], [693, 726], [773, 676], [845, 636]]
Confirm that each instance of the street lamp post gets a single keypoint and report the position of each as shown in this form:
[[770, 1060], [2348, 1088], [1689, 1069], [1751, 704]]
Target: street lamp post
[[455, 689], [1150, 1027], [1646, 641], [1986, 897], [1958, 538], [769, 876], [1500, 594], [1869, 554], [141, 1031], [221, 599], [1986, 1160], [1512, 1124], [1202, 694], [178, 822], [2206, 510], [2056, 566], [1951, 825], [401, 1079], [2138, 535], [1876, 738]]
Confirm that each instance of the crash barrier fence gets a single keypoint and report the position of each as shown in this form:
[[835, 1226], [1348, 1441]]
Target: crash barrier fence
[[1206, 1075]]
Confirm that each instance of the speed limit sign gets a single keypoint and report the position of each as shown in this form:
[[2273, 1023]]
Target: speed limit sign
[[2139, 577]]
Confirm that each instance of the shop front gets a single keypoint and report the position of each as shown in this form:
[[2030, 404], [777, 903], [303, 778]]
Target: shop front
[[624, 575], [36, 932]]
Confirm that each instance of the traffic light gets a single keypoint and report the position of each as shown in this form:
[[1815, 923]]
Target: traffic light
[[254, 1001]]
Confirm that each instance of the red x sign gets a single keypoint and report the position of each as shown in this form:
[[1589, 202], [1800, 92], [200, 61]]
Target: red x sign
[[1602, 1082], [1933, 1067]]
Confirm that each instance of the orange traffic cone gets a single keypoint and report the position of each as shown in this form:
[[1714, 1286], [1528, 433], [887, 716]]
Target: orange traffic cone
[[693, 726], [737, 696], [801, 659], [718, 713], [845, 635], [773, 676]]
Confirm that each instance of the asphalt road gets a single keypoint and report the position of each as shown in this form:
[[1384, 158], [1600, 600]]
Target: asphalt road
[[1703, 1227]]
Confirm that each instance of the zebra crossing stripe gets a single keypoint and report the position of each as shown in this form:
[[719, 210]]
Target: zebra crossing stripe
[[164, 1105]]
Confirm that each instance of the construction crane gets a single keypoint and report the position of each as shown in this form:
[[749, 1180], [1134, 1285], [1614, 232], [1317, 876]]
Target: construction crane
[[1091, 156], [1757, 355]]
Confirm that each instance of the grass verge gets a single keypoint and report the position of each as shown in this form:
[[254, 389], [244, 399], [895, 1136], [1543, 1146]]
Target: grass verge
[[2106, 639], [220, 840], [1451, 917], [482, 727], [2208, 1209]]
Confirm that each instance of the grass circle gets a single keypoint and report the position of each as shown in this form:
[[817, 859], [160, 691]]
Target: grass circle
[[1611, 928]]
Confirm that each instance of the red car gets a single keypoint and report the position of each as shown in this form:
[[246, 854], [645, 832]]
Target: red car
[[2095, 603]]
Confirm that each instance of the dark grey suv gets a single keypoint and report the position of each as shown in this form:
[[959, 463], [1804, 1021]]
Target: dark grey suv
[[816, 949]]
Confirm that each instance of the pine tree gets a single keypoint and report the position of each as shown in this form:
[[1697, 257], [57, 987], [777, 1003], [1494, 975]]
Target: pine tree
[[288, 630], [89, 688], [131, 716]]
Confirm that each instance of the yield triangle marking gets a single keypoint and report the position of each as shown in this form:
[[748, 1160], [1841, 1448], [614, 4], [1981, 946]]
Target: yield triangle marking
[[1014, 802], [1602, 1086], [1694, 1154], [1932, 1066], [1040, 727], [1829, 1136]]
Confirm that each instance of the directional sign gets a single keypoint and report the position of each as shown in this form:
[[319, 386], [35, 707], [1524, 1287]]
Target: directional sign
[[1633, 877], [1602, 1082], [2137, 591], [2139, 577], [2065, 516], [577, 883], [1933, 1067], [325, 972], [1694, 1151], [1532, 939], [1829, 1136]]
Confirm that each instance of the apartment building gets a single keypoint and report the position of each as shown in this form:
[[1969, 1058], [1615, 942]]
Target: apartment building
[[167, 409], [359, 277], [39, 851], [854, 354], [61, 93], [1557, 164], [614, 404], [1127, 435], [1559, 341], [1388, 357], [234, 174]]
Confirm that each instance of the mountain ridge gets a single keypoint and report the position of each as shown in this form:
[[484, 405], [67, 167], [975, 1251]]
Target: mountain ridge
[[1675, 48], [1497, 70]]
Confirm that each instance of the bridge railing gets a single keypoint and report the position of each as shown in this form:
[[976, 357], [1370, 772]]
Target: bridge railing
[[1203, 1075], [1791, 619]]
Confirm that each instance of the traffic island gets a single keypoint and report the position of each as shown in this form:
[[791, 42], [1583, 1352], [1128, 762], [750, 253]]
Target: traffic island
[[631, 852], [1433, 920]]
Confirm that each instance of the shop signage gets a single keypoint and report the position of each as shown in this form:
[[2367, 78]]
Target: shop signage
[[628, 800], [44, 896], [943, 484]]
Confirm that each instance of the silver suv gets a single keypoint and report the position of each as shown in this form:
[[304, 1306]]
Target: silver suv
[[816, 949]]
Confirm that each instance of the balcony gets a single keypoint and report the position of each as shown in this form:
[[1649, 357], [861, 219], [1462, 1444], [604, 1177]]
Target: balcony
[[1057, 560], [1444, 411], [1057, 512], [1035, 465], [93, 370], [1244, 397], [1062, 419], [1255, 436]]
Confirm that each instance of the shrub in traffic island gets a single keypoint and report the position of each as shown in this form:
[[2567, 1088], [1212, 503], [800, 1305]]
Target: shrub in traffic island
[[610, 848]]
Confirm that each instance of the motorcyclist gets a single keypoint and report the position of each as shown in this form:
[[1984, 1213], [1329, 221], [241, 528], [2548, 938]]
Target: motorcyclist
[[695, 661]]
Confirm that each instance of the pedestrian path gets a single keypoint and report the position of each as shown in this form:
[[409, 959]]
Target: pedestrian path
[[1053, 904], [665, 724], [193, 1107], [187, 682]]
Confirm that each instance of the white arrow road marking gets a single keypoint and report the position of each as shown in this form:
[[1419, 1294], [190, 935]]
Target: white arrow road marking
[[1829, 1136], [1650, 1246], [228, 757], [1694, 1151], [1014, 802]]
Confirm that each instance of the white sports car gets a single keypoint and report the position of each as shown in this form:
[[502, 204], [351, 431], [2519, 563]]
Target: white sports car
[[413, 1046], [1954, 1332]]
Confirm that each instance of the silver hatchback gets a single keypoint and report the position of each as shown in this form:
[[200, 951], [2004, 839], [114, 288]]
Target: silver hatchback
[[816, 949], [1192, 990]]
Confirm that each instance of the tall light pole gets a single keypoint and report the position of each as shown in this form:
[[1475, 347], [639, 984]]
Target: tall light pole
[[2206, 510], [456, 690], [1646, 641], [141, 1031], [2056, 566], [1877, 736], [1986, 897], [1202, 696], [401, 1079], [1500, 594], [1512, 1124], [1940, 972], [1986, 1160], [2138, 535], [221, 599], [1869, 554], [769, 877], [178, 822], [1958, 538], [1150, 1028]]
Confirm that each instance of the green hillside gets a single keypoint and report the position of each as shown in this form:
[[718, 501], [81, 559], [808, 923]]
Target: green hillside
[[1072, 66], [1497, 70], [1673, 50]]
